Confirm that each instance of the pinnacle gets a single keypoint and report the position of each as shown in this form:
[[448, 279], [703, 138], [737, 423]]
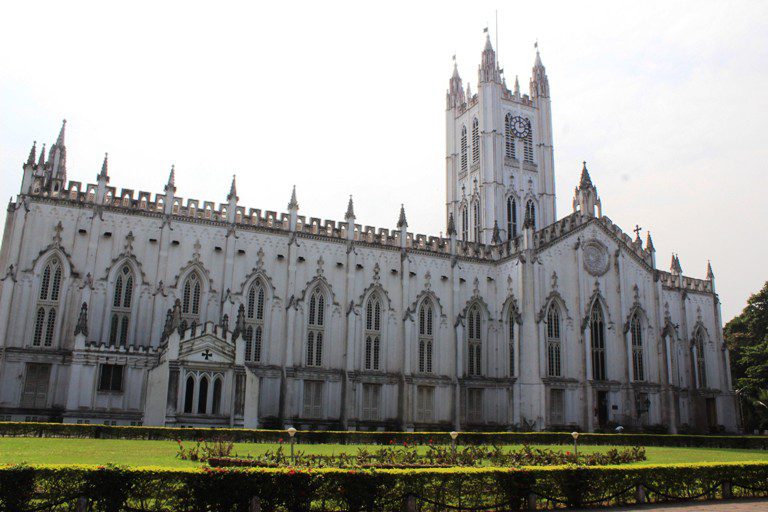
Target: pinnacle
[[401, 222], [455, 70], [488, 45], [293, 204], [172, 176], [41, 162], [60, 140], [517, 86], [495, 238], [710, 274], [350, 210], [232, 190], [105, 166], [649, 243], [451, 225], [537, 63], [32, 154], [586, 181]]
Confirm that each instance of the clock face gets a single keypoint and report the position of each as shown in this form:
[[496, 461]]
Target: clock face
[[521, 127]]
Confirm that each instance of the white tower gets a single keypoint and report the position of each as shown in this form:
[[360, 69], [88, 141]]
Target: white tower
[[499, 155]]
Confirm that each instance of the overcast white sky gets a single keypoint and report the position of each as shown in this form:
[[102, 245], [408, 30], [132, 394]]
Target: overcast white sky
[[665, 100]]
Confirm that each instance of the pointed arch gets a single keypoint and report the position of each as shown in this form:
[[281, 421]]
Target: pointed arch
[[636, 341], [202, 395], [514, 319], [189, 394], [123, 291], [476, 219], [554, 340], [474, 339], [463, 148], [530, 211], [698, 354], [475, 141], [509, 136], [554, 297], [423, 295], [464, 214], [597, 340], [191, 296], [511, 217], [255, 307], [110, 272], [216, 403], [426, 330], [316, 314], [372, 332], [49, 294]]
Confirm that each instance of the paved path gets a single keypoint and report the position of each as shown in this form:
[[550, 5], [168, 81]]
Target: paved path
[[701, 506]]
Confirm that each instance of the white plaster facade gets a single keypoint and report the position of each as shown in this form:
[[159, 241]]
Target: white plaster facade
[[151, 309]]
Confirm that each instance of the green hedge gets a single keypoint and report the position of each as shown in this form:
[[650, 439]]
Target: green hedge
[[113, 489], [18, 429]]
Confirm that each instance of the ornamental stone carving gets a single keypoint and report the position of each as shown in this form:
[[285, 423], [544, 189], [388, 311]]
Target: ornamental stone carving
[[596, 260]]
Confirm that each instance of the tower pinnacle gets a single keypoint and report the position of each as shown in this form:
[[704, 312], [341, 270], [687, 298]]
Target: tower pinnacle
[[350, 215], [585, 198], [32, 154], [293, 204], [104, 174], [232, 190], [401, 222]]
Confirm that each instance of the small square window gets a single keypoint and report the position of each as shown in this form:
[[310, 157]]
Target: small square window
[[111, 378]]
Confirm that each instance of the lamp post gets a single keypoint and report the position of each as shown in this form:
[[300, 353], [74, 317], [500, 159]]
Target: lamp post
[[575, 436], [292, 432], [453, 435]]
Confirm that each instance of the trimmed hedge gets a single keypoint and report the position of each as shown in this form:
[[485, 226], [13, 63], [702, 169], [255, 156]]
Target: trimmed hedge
[[19, 429], [113, 489]]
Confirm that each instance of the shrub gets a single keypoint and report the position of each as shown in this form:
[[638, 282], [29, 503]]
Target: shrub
[[57, 488]]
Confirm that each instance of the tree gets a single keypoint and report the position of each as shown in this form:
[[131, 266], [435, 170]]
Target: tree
[[747, 339]]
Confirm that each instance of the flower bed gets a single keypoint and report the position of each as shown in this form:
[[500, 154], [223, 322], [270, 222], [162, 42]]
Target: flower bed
[[113, 489], [433, 457]]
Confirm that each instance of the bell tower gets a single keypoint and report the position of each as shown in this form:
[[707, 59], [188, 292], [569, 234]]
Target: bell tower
[[499, 154]]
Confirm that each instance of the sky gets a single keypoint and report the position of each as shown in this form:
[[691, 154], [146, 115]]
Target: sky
[[664, 100]]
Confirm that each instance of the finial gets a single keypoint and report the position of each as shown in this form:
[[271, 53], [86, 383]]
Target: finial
[[32, 154], [537, 63], [451, 225], [517, 86], [232, 190], [350, 210], [293, 204], [104, 167], [710, 274], [401, 222], [649, 243]]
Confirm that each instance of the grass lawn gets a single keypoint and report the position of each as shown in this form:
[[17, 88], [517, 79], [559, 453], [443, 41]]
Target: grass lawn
[[163, 453]]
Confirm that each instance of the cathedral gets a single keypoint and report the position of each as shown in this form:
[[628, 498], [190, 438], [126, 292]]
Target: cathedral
[[127, 307]]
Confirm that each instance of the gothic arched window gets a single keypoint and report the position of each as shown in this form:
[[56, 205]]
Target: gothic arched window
[[254, 321], [511, 344], [476, 219], [202, 396], [554, 346], [190, 302], [464, 222], [528, 147], [530, 211], [699, 360], [426, 336], [474, 341], [511, 218], [372, 333], [509, 136], [463, 149], [216, 404], [121, 307], [475, 141], [636, 333], [189, 394], [47, 304], [597, 340], [315, 328]]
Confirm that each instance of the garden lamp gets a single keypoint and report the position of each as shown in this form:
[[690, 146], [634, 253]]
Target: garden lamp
[[575, 436], [292, 432], [453, 435]]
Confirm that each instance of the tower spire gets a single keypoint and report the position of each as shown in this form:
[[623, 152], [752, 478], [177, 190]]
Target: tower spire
[[60, 139], [489, 70], [455, 95], [539, 81], [585, 198], [41, 161]]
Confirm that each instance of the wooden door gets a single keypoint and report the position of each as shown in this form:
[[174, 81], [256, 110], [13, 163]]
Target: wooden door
[[35, 392]]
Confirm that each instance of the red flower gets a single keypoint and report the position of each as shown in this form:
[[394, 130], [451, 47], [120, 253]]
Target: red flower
[[430, 441], [567, 453], [280, 440]]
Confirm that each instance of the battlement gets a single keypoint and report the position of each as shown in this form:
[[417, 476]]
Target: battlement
[[670, 280], [207, 328]]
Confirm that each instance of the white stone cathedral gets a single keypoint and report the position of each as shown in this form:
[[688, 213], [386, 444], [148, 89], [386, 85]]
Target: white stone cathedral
[[131, 308]]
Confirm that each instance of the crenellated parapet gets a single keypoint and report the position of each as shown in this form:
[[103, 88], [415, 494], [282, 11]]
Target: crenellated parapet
[[690, 284]]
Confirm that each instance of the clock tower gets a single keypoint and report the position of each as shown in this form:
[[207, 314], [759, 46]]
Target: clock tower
[[499, 155]]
